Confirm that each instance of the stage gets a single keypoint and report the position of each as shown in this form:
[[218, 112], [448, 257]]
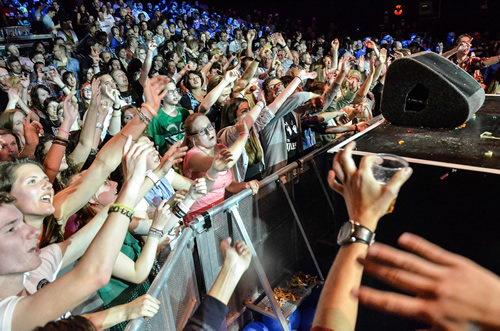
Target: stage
[[451, 199]]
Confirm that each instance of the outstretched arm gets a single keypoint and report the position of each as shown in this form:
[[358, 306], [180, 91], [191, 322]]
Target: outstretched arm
[[210, 314], [367, 201], [94, 269], [211, 98], [71, 199], [449, 291]]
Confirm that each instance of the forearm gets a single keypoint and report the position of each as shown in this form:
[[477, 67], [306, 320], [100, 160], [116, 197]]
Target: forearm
[[224, 285], [105, 319], [236, 187], [56, 152], [248, 51], [101, 255], [86, 141], [115, 125], [237, 148], [280, 99], [491, 60], [337, 308], [212, 97], [248, 74], [450, 53], [206, 68], [146, 67]]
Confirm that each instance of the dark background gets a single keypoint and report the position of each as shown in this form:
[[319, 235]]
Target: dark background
[[363, 18]]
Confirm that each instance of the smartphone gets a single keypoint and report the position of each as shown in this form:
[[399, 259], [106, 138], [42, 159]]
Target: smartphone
[[46, 69]]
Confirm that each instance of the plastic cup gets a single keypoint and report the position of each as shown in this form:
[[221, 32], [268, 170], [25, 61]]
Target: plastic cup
[[384, 171]]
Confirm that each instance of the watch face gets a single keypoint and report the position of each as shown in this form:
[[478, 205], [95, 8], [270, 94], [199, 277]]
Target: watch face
[[345, 233]]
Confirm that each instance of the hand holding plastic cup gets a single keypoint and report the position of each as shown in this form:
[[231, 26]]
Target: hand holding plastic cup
[[386, 166]]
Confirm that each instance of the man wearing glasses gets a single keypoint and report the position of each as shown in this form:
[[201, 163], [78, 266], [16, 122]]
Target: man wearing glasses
[[168, 127]]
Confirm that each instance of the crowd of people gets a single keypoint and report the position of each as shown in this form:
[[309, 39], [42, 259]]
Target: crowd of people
[[138, 118]]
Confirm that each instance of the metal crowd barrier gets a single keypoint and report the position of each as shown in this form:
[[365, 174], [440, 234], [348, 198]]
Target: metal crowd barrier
[[291, 214]]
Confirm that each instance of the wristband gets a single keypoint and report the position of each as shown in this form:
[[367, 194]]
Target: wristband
[[300, 78], [256, 60], [356, 128], [180, 210], [146, 120], [210, 178], [63, 87], [116, 109], [64, 131], [122, 209], [99, 126], [117, 113], [242, 133], [155, 233], [151, 175], [148, 108]]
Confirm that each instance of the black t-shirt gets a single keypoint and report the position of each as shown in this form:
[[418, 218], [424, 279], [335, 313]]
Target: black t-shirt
[[292, 134]]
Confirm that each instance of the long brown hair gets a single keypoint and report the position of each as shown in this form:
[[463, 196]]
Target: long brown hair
[[228, 118], [188, 131], [52, 231]]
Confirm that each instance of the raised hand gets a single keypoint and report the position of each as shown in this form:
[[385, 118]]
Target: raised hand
[[366, 199], [382, 55], [54, 76], [241, 126], [448, 290], [152, 45], [173, 156], [231, 75], [70, 110], [361, 64], [236, 258], [155, 91], [335, 44], [198, 189], [303, 74], [32, 130], [347, 63], [370, 44], [134, 159], [14, 94], [161, 215], [222, 160]]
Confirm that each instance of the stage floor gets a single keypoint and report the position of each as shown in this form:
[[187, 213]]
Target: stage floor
[[462, 147]]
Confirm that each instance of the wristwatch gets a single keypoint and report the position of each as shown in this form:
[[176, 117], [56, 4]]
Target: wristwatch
[[352, 232]]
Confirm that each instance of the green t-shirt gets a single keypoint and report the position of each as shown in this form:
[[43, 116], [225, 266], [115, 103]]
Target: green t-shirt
[[167, 130]]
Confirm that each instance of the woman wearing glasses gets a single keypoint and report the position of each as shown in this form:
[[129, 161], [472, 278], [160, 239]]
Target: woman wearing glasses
[[203, 149]]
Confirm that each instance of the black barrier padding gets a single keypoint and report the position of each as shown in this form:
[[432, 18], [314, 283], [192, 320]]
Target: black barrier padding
[[428, 90]]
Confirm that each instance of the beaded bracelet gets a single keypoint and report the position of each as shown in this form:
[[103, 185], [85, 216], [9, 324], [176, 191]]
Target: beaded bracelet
[[122, 209], [150, 109], [242, 133], [146, 120], [155, 233]]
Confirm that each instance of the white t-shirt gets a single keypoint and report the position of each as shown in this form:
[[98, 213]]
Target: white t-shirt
[[33, 281]]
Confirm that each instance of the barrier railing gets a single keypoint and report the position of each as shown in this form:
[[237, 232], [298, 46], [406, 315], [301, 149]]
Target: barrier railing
[[282, 224]]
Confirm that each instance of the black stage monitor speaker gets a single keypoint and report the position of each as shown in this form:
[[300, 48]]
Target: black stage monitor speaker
[[428, 90]]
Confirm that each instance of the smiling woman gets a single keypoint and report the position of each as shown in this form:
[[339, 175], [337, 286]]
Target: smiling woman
[[203, 150]]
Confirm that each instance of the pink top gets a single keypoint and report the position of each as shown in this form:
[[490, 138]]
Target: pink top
[[216, 194]]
